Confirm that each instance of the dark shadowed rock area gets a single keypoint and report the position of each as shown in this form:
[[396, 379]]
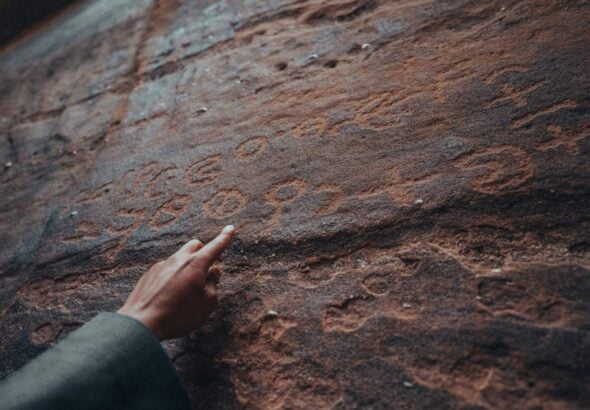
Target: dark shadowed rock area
[[410, 181]]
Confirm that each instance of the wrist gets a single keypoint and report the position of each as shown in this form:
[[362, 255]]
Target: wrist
[[143, 319]]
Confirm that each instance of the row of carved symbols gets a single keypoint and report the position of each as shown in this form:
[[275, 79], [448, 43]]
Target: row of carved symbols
[[566, 138]]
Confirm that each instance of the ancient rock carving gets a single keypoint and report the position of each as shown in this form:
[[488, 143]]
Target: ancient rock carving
[[377, 283], [313, 127], [282, 194], [170, 211], [251, 148], [381, 111], [348, 315], [204, 171], [494, 75], [225, 203], [397, 188], [517, 97], [568, 139], [527, 119], [128, 220], [497, 168], [160, 183]]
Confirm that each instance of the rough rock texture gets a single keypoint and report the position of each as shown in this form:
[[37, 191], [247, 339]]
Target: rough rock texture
[[410, 181]]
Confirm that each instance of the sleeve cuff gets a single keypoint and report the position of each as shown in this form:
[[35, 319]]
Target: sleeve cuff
[[113, 361]]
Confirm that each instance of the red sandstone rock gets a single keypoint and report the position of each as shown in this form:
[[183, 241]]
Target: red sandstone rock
[[409, 180]]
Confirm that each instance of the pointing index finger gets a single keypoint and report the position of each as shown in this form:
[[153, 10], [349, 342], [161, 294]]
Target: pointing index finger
[[213, 250]]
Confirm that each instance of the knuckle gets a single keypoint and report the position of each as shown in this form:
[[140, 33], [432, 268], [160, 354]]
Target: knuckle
[[196, 261]]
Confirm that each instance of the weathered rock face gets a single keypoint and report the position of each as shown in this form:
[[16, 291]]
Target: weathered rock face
[[409, 179]]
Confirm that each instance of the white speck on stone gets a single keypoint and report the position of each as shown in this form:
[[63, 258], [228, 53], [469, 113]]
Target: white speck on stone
[[8, 164], [73, 213], [313, 56], [273, 255], [496, 270], [365, 46], [202, 109], [478, 297], [408, 384], [419, 201], [272, 313], [407, 305], [503, 9]]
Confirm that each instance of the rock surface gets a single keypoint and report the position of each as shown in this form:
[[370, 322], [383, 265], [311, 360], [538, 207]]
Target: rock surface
[[410, 181]]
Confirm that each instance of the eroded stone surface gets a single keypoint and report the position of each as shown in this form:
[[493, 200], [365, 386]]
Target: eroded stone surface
[[409, 181]]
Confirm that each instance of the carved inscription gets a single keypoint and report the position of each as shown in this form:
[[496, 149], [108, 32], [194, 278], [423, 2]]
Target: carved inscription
[[204, 171], [563, 105], [251, 148], [348, 315], [381, 111], [517, 97], [225, 203], [490, 170], [170, 211], [282, 194], [310, 128], [568, 139], [160, 184], [126, 221], [397, 188], [497, 168], [377, 283], [493, 76]]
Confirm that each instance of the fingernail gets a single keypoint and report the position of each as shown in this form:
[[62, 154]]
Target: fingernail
[[228, 229]]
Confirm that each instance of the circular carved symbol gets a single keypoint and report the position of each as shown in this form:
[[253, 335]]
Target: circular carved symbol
[[224, 204], [251, 148]]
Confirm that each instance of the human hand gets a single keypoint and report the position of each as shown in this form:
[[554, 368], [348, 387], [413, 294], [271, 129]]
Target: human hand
[[176, 295]]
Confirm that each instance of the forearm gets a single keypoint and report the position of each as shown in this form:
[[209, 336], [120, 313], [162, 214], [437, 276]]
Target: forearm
[[111, 362]]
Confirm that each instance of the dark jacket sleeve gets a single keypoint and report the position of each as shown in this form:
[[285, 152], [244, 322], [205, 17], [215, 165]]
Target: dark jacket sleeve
[[112, 362]]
